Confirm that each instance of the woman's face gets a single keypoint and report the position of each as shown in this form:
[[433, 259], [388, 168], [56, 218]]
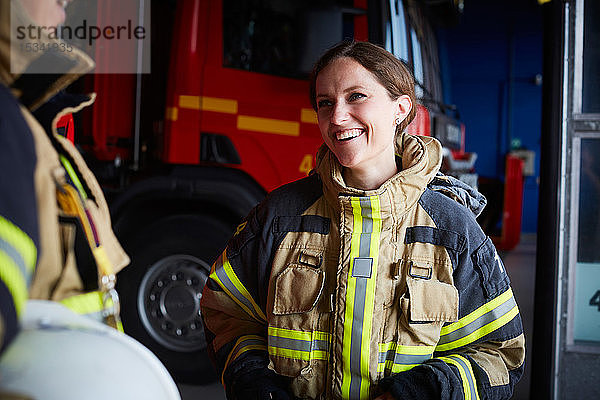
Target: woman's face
[[356, 115]]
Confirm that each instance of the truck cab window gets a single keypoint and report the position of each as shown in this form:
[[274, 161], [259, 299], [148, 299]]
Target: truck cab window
[[396, 40], [417, 63], [282, 37]]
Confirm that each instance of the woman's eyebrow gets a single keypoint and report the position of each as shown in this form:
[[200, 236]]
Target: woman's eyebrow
[[349, 89]]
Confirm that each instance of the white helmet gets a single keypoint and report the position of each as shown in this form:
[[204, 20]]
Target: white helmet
[[62, 355]]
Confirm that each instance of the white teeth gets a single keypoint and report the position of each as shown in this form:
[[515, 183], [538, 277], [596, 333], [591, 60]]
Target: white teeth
[[348, 134]]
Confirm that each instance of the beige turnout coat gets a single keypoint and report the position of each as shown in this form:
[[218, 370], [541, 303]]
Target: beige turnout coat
[[337, 288]]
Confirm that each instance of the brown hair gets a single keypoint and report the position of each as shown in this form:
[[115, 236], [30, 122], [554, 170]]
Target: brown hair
[[391, 73]]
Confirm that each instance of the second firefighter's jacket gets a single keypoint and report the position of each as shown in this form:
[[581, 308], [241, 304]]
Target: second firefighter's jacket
[[337, 288], [52, 249]]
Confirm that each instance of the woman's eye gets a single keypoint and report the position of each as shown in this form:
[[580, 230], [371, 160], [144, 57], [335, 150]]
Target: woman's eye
[[356, 96], [323, 103]]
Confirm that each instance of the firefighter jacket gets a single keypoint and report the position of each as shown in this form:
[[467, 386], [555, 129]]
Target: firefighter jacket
[[337, 288], [47, 251]]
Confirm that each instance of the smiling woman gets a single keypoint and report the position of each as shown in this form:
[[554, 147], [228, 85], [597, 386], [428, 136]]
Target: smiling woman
[[362, 280]]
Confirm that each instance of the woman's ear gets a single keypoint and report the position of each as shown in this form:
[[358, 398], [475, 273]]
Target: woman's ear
[[404, 106]]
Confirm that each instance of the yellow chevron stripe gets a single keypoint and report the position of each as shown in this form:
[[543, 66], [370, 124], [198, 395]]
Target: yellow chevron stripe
[[239, 286], [20, 241], [14, 280], [235, 352], [481, 332], [467, 319]]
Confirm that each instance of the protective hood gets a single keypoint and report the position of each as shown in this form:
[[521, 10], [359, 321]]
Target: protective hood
[[34, 89], [460, 192], [421, 157]]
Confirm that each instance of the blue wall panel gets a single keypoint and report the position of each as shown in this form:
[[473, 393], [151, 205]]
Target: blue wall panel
[[494, 55]]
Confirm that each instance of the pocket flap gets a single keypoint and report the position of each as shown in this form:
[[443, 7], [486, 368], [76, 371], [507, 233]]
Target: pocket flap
[[298, 289], [432, 300]]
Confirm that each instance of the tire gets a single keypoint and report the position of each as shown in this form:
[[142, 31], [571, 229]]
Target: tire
[[161, 289]]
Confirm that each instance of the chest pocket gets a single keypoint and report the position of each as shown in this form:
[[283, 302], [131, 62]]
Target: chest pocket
[[415, 322], [425, 307], [297, 348]]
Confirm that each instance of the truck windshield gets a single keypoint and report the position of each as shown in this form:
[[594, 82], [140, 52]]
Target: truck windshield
[[282, 37]]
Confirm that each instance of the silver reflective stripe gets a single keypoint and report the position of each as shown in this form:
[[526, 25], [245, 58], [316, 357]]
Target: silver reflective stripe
[[480, 322], [224, 279], [465, 372], [298, 344], [407, 359], [245, 343], [359, 301], [17, 258]]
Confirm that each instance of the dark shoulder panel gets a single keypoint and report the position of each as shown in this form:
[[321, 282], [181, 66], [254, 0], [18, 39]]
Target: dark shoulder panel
[[17, 166], [450, 215], [293, 198]]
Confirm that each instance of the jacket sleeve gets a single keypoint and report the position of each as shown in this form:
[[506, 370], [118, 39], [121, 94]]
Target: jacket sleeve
[[233, 308], [481, 355], [18, 216]]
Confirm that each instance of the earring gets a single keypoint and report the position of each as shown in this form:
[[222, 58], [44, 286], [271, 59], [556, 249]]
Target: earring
[[397, 121]]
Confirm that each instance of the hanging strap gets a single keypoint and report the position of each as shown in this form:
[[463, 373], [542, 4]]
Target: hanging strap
[[70, 198]]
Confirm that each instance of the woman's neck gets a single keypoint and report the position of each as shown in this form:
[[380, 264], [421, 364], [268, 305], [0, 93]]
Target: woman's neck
[[370, 178]]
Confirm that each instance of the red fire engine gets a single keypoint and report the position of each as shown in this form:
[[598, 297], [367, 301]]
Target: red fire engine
[[185, 152]]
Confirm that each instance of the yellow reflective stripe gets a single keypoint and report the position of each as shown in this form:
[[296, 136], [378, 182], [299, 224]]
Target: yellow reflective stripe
[[350, 289], [360, 295], [370, 299], [87, 303], [406, 349], [299, 345], [14, 280], [481, 332], [230, 274], [402, 367], [466, 375], [500, 313], [21, 242], [298, 354], [477, 313], [402, 354], [302, 335], [243, 344], [91, 305], [18, 256], [74, 178]]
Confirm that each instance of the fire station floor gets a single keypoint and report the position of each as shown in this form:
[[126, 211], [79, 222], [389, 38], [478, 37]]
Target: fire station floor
[[520, 264]]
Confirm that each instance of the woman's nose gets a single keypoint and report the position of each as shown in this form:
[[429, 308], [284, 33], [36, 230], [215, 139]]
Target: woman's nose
[[339, 113]]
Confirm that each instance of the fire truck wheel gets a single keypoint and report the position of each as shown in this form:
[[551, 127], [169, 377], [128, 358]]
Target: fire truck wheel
[[161, 291]]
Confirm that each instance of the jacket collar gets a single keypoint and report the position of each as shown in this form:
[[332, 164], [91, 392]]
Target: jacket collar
[[421, 159], [33, 90]]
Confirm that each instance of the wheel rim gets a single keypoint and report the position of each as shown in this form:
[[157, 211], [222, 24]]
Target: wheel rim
[[169, 302]]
